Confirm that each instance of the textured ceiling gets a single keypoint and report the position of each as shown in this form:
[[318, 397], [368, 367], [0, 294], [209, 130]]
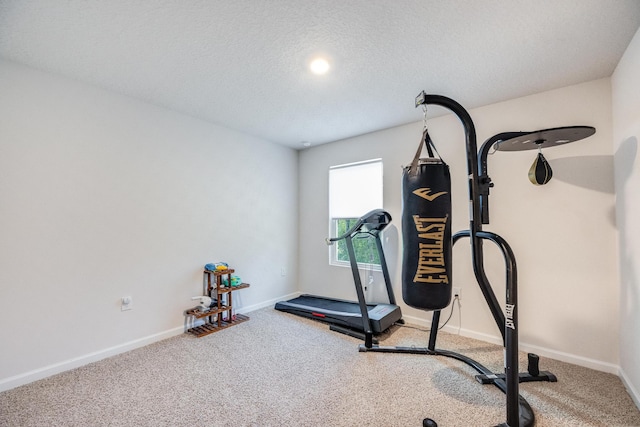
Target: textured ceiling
[[243, 63]]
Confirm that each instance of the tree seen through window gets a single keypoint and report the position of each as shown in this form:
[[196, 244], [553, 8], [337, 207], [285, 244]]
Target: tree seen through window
[[364, 245]]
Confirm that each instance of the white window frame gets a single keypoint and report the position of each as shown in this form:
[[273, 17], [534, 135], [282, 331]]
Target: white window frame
[[370, 202]]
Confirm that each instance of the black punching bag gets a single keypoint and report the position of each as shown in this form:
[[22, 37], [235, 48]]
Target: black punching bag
[[540, 172], [426, 231]]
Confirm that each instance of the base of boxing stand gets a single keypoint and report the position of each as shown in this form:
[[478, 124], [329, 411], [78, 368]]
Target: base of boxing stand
[[351, 333], [533, 375], [523, 377]]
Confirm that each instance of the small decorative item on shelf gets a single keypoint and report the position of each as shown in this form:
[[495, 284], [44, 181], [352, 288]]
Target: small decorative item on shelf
[[235, 281], [206, 303], [216, 266]]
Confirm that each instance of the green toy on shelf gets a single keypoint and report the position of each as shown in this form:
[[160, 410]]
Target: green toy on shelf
[[235, 281]]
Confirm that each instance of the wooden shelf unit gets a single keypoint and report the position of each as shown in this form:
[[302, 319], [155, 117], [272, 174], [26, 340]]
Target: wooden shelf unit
[[215, 319]]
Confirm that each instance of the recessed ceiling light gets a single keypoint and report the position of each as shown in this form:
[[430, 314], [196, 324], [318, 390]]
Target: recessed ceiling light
[[319, 66]]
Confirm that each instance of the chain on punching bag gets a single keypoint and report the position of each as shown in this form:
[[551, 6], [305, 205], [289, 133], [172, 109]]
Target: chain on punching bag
[[426, 231]]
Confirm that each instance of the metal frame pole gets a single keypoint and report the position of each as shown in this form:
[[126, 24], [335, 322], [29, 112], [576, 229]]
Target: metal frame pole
[[507, 324], [368, 333]]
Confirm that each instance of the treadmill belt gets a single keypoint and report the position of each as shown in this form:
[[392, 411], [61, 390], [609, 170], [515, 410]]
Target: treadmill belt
[[342, 312], [328, 304]]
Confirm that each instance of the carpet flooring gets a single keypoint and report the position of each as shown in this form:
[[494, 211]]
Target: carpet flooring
[[282, 370]]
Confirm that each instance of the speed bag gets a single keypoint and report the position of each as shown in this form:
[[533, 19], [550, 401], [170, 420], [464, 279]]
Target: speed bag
[[426, 235]]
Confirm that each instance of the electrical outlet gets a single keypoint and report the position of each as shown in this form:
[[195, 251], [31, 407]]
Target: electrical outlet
[[126, 303], [457, 292]]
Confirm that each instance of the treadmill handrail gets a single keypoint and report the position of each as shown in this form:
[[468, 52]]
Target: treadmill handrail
[[363, 220]]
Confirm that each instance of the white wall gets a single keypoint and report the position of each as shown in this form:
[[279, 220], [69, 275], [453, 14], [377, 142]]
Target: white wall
[[563, 233], [103, 196], [626, 132]]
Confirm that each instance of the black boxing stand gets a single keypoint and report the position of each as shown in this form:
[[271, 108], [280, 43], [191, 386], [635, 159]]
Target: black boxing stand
[[519, 412]]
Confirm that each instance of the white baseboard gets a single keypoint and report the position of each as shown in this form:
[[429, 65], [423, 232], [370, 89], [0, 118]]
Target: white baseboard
[[540, 351], [37, 374], [586, 362], [633, 392], [254, 307], [418, 321], [76, 362]]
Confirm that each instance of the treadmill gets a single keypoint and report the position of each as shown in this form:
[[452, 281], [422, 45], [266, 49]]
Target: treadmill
[[354, 318]]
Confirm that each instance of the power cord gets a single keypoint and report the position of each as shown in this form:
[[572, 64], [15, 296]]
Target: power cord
[[455, 298]]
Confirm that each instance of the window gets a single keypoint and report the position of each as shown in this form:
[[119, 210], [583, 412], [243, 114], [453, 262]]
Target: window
[[354, 189]]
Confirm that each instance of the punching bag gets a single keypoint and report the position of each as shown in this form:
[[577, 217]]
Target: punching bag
[[540, 172], [426, 231]]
